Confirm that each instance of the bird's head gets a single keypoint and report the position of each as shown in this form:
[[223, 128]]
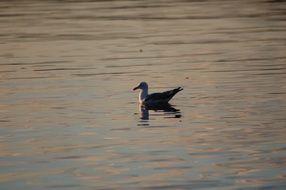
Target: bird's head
[[142, 86]]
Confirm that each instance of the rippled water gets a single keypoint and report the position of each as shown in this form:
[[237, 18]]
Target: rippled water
[[70, 120]]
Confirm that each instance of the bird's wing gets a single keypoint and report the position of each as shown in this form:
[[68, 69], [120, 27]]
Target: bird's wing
[[167, 95]]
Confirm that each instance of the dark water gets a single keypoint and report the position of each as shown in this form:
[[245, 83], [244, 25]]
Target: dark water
[[70, 120]]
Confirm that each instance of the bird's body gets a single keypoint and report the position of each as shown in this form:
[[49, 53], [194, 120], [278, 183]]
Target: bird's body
[[155, 98]]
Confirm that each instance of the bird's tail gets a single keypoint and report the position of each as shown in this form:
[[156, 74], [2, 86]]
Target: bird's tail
[[175, 91], [179, 89]]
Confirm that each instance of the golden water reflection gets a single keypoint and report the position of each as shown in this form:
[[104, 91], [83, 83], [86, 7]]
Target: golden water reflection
[[69, 118]]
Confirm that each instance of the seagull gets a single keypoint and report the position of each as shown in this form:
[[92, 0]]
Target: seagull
[[155, 98]]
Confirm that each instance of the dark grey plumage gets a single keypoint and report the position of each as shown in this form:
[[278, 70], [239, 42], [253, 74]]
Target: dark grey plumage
[[163, 97]]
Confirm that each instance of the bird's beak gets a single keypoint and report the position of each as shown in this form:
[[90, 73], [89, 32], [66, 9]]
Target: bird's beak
[[137, 87]]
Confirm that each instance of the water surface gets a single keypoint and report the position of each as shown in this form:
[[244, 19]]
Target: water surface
[[70, 120]]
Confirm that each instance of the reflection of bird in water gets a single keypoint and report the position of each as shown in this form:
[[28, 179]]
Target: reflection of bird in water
[[167, 109], [155, 98]]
